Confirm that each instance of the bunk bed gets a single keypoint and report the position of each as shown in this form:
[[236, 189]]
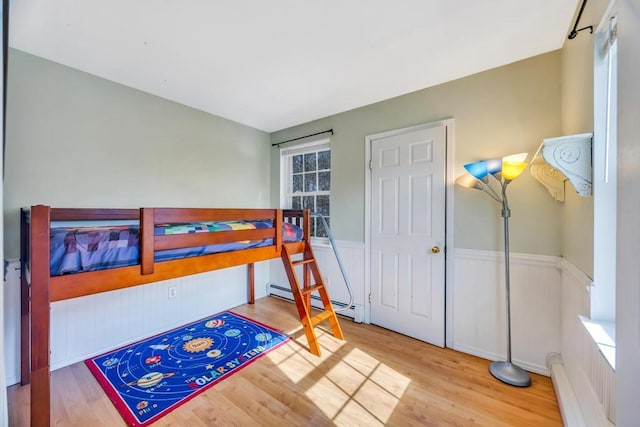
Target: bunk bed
[[166, 243]]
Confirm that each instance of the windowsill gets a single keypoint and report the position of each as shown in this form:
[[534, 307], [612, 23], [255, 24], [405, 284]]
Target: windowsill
[[604, 335], [320, 241]]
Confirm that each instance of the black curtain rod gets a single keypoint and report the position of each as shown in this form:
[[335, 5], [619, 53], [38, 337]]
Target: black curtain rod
[[277, 144], [574, 32]]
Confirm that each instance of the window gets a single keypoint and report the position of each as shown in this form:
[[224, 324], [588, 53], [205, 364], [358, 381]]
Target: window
[[601, 325], [603, 302], [307, 181]]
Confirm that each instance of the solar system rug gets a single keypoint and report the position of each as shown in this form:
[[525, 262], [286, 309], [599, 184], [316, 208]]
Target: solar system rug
[[150, 378]]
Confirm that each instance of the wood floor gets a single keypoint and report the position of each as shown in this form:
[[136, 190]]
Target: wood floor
[[374, 377]]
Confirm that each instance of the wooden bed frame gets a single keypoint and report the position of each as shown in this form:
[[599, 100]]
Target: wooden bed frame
[[41, 289]]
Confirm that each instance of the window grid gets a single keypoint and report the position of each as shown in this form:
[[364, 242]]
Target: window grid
[[309, 185]]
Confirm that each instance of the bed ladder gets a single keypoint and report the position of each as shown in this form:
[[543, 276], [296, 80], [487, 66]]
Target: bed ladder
[[302, 296]]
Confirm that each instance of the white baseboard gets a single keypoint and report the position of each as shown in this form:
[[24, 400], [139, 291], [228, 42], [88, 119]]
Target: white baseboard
[[542, 370], [352, 255], [279, 291], [567, 400]]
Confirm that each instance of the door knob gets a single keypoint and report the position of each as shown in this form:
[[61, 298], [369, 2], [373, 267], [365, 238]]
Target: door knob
[[435, 250]]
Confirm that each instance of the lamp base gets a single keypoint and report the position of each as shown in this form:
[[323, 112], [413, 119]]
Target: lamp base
[[510, 374]]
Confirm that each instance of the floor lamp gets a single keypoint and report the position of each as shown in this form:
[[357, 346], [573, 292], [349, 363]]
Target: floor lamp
[[503, 171]]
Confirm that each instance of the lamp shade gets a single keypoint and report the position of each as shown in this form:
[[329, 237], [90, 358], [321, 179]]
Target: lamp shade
[[468, 181], [512, 166], [494, 166], [477, 169], [520, 157]]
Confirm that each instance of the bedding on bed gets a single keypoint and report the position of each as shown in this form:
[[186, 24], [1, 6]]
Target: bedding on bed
[[81, 249]]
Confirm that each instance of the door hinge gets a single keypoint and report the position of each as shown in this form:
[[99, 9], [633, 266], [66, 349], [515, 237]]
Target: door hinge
[[370, 298], [370, 165]]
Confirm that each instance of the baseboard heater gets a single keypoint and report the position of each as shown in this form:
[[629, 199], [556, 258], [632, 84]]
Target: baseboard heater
[[285, 292]]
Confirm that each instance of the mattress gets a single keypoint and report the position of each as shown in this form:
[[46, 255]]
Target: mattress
[[81, 249]]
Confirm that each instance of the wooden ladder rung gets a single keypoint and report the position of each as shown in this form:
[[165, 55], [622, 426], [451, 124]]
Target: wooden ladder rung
[[310, 289], [302, 261], [320, 317]]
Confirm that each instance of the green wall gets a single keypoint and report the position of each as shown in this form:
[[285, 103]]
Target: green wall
[[498, 112], [68, 130], [577, 117], [76, 140]]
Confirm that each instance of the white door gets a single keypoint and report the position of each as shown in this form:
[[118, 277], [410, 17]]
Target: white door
[[408, 232]]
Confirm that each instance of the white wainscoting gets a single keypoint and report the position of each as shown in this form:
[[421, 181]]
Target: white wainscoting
[[87, 326], [479, 325], [548, 295], [591, 377], [352, 254]]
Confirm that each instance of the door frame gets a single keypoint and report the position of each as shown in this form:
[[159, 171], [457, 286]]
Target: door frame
[[448, 250]]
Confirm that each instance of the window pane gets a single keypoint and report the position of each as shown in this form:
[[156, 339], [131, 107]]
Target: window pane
[[310, 183], [324, 181], [321, 231], [297, 183], [296, 202], [313, 227], [310, 162], [323, 205], [308, 203], [296, 163], [324, 160], [318, 228]]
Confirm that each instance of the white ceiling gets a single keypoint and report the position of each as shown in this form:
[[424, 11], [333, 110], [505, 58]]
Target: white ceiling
[[276, 64]]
